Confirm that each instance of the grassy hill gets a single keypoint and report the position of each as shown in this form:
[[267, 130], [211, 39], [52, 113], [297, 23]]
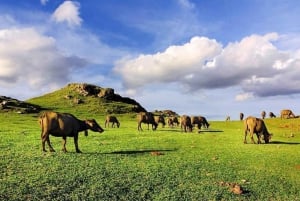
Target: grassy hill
[[87, 98]]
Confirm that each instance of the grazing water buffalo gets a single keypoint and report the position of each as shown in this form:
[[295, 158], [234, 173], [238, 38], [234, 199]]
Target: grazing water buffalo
[[160, 119], [200, 121], [173, 121], [64, 125], [186, 123], [241, 116], [272, 115], [147, 118], [286, 114], [257, 126], [263, 114], [113, 120]]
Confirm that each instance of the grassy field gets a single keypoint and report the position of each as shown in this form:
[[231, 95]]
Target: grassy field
[[123, 164]]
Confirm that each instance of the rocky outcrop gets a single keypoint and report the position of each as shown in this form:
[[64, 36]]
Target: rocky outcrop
[[10, 104], [107, 94]]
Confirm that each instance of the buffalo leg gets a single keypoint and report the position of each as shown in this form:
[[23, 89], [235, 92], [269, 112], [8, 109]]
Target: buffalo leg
[[49, 144], [45, 138], [64, 149], [258, 138], [252, 138], [245, 140], [140, 126], [76, 143]]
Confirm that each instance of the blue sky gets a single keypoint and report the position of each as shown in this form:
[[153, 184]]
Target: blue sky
[[206, 57]]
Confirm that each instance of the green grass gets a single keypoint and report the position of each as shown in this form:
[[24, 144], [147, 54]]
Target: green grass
[[118, 164]]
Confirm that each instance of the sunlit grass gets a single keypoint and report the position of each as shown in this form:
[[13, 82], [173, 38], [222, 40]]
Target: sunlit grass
[[118, 164]]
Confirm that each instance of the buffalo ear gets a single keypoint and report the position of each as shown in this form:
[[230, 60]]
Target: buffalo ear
[[86, 133]]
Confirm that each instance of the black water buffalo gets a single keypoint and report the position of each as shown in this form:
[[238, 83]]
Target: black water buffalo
[[160, 119], [147, 118], [113, 120], [186, 123], [64, 125], [199, 121], [173, 121], [272, 115], [241, 116], [255, 125], [263, 114], [286, 114]]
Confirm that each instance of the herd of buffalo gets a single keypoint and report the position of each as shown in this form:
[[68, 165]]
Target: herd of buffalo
[[67, 125]]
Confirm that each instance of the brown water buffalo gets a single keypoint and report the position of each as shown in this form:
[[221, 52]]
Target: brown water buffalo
[[272, 115], [263, 114], [64, 125], [186, 123], [160, 119], [147, 118], [241, 116], [200, 121], [286, 114], [257, 126], [113, 120]]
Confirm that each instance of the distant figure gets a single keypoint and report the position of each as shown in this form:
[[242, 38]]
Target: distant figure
[[241, 116], [227, 118], [263, 114], [272, 115], [286, 114]]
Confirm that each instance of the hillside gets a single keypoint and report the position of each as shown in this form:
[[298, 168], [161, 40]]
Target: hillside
[[82, 97]]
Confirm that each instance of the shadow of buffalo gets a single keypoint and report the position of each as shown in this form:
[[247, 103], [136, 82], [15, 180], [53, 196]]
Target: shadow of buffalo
[[140, 151], [280, 142]]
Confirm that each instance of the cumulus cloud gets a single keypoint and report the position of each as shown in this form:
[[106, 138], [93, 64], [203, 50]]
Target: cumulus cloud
[[186, 4], [254, 64], [68, 12], [44, 2], [175, 63], [30, 58]]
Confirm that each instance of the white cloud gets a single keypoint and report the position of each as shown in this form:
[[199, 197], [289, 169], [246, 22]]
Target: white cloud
[[186, 4], [254, 63], [172, 65], [30, 58], [243, 96], [68, 12], [44, 2]]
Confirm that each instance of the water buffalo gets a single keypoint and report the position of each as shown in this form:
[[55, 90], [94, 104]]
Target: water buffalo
[[241, 116], [186, 123], [160, 119], [286, 114], [147, 118], [173, 121], [257, 126], [263, 114], [272, 115], [113, 120], [200, 121], [64, 125]]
